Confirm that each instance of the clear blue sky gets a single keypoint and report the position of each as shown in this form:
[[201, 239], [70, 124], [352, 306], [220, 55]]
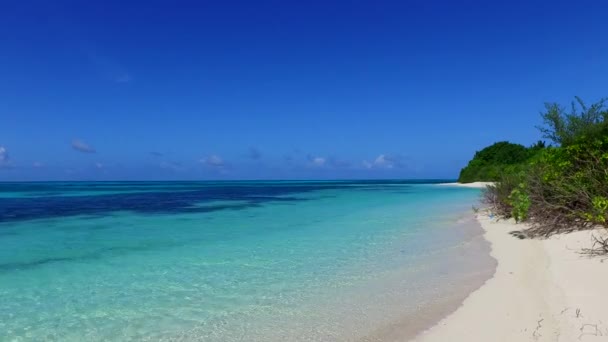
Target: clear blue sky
[[105, 90]]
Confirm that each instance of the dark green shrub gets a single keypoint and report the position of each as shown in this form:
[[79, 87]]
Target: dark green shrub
[[559, 188], [568, 185], [491, 162]]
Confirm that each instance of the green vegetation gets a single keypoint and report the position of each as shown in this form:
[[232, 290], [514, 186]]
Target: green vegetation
[[559, 188], [582, 123], [493, 161]]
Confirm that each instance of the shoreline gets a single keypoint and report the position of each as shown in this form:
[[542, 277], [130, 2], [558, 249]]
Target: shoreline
[[542, 290], [475, 185], [450, 297]]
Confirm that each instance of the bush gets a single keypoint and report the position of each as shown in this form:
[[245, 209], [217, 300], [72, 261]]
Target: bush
[[564, 187], [491, 162], [567, 186], [520, 202], [497, 195], [581, 122]]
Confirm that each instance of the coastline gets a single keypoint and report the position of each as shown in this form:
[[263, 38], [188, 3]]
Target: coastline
[[448, 298], [476, 185], [542, 290], [359, 265]]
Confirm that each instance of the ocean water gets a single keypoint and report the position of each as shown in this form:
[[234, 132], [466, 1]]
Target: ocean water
[[232, 261]]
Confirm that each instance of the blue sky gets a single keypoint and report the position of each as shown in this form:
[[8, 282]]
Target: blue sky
[[112, 90]]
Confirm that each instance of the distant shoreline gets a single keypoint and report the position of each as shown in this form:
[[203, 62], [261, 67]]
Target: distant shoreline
[[477, 185], [543, 290]]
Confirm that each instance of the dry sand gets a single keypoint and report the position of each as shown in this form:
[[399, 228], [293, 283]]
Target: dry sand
[[543, 290], [480, 185]]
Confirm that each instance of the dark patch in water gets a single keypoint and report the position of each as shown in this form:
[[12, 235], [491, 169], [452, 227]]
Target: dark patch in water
[[98, 254], [61, 199]]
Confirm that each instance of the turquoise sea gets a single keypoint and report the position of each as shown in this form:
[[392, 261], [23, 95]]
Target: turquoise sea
[[233, 261]]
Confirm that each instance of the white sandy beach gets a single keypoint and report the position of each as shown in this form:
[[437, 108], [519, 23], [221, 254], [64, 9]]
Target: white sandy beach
[[543, 290], [479, 185]]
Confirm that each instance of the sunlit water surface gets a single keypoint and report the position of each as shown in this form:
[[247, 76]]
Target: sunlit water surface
[[240, 261]]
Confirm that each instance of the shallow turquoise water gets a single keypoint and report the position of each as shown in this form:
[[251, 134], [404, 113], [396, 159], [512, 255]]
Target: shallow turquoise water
[[252, 261]]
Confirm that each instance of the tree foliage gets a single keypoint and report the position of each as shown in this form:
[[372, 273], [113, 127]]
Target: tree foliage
[[582, 122], [563, 187], [491, 162]]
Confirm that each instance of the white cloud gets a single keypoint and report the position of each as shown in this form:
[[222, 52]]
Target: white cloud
[[318, 161], [384, 161], [213, 161], [81, 146], [4, 158], [3, 154], [327, 162]]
